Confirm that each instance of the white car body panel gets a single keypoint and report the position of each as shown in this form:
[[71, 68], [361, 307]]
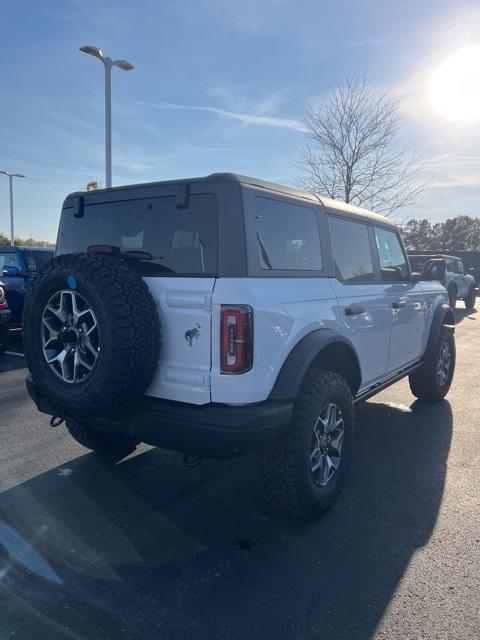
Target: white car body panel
[[184, 305], [285, 310]]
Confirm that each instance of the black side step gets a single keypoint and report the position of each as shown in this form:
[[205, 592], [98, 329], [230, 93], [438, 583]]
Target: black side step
[[383, 384]]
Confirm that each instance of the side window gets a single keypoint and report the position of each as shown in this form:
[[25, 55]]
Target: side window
[[351, 251], [393, 263], [287, 236], [8, 260]]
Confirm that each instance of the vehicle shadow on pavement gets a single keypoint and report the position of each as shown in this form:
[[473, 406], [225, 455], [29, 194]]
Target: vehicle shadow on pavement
[[149, 549], [11, 363], [461, 314]]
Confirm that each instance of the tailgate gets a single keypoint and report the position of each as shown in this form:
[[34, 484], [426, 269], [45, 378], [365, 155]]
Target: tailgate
[[185, 311]]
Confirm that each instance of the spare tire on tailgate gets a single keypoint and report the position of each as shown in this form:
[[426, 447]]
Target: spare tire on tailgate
[[91, 334]]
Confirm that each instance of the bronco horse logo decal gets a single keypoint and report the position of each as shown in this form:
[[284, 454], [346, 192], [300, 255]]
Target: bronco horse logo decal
[[192, 334]]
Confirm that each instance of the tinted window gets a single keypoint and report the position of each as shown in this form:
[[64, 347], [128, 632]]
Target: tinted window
[[393, 264], [351, 251], [287, 236], [36, 260], [8, 260], [174, 241]]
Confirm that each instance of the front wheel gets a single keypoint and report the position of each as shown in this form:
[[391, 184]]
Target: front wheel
[[100, 441], [470, 299], [432, 380], [303, 473], [4, 336]]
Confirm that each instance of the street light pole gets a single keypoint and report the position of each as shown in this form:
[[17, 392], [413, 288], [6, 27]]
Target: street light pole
[[108, 63], [10, 177], [108, 122]]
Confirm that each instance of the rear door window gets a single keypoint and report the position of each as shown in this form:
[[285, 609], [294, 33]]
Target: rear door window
[[287, 236], [393, 262], [36, 260], [161, 239], [351, 251]]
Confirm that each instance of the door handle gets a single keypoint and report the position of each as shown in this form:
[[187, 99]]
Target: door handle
[[354, 310], [399, 304]]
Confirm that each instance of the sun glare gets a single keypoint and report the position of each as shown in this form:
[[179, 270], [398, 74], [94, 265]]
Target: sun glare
[[455, 86]]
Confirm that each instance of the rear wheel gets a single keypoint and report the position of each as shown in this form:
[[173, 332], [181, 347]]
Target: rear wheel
[[100, 441], [303, 473], [471, 298], [4, 336], [432, 381]]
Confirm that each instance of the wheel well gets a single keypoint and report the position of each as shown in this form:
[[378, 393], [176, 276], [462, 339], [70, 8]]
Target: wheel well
[[448, 318], [341, 359]]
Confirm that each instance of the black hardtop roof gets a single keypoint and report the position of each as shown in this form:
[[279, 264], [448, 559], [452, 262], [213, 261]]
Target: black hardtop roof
[[432, 255], [333, 206]]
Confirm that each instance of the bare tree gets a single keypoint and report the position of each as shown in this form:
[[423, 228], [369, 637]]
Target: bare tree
[[92, 185], [353, 152]]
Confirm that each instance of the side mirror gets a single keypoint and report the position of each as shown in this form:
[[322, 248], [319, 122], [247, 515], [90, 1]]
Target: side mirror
[[9, 270], [435, 269], [417, 276]]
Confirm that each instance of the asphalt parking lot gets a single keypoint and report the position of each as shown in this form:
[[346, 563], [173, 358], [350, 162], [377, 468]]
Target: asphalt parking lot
[[147, 548]]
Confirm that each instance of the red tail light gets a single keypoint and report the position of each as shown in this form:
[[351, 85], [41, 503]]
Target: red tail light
[[236, 340], [3, 302]]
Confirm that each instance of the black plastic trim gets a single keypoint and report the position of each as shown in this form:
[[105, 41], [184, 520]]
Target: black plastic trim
[[443, 316], [384, 384], [292, 373], [4, 316], [213, 430]]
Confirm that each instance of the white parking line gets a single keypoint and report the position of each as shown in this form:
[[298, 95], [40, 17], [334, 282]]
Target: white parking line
[[13, 353]]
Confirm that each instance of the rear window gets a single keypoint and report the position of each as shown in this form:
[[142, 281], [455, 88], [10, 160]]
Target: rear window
[[8, 259], [287, 236], [36, 260], [173, 241]]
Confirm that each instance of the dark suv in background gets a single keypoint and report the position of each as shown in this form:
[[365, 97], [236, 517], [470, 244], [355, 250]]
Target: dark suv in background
[[18, 267]]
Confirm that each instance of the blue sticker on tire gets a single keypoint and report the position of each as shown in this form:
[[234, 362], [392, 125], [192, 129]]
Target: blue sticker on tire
[[72, 282]]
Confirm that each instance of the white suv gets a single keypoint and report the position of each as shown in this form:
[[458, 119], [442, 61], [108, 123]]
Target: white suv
[[223, 315]]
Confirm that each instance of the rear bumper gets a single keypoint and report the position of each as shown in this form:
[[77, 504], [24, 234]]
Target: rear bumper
[[4, 316], [213, 430]]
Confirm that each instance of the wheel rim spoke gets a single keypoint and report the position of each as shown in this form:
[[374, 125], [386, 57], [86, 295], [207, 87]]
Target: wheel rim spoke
[[327, 442], [444, 364], [70, 336]]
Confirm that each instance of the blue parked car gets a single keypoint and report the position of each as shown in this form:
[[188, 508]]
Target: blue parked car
[[18, 267]]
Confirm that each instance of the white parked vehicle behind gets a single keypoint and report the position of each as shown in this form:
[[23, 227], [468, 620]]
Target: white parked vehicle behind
[[223, 315]]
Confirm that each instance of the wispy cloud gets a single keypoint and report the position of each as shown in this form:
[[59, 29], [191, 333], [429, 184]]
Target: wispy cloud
[[244, 118]]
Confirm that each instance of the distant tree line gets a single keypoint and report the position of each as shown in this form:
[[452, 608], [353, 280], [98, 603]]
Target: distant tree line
[[461, 233], [26, 242]]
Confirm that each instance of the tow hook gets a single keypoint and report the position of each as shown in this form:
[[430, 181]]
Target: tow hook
[[191, 460], [56, 422]]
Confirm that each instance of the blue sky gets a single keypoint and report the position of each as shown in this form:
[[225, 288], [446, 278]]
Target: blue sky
[[218, 85]]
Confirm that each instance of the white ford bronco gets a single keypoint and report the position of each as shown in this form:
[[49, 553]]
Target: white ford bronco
[[224, 315]]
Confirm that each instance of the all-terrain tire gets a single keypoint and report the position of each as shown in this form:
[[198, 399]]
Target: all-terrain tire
[[100, 441], [128, 327], [425, 383], [4, 337], [286, 476], [471, 298]]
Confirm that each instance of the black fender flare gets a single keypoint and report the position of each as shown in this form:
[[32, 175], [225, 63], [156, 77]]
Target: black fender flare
[[443, 316], [300, 358]]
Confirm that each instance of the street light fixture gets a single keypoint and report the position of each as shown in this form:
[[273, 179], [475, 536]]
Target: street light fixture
[[108, 63], [10, 177]]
